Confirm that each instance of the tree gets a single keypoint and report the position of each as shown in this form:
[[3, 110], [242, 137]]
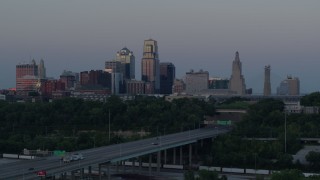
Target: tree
[[288, 174], [314, 159], [189, 175], [312, 99], [207, 175]]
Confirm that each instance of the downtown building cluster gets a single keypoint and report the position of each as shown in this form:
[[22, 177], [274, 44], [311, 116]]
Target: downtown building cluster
[[118, 77]]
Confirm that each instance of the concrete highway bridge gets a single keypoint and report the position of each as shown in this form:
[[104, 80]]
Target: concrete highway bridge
[[103, 157]]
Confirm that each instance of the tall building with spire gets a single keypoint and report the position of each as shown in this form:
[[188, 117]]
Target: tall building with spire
[[237, 82], [42, 70], [127, 59], [267, 84], [150, 70]]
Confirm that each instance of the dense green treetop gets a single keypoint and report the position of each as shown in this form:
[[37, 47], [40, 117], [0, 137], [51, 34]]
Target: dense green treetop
[[312, 99]]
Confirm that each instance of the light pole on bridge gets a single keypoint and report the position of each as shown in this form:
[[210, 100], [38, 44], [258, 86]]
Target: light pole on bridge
[[109, 126]]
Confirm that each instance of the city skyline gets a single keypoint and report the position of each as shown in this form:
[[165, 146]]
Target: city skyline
[[80, 36]]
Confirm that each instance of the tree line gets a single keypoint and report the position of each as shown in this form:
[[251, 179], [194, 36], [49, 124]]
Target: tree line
[[72, 124]]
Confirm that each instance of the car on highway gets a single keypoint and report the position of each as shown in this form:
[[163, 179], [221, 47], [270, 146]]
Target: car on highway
[[73, 157], [156, 142], [42, 173], [66, 159], [77, 156]]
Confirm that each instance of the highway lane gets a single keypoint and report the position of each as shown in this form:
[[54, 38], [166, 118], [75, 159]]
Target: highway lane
[[53, 165]]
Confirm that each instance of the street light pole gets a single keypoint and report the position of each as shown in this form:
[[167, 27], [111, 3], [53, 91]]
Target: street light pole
[[285, 131], [94, 142], [255, 163], [109, 125]]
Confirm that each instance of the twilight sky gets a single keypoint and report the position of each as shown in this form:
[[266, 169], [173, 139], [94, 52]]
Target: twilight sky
[[80, 35]]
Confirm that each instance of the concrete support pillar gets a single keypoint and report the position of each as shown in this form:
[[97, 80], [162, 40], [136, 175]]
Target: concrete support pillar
[[89, 171], [158, 161], [201, 143], [165, 157], [174, 155], [72, 175], [196, 151], [133, 164], [100, 175], [81, 173], [124, 166], [140, 164], [117, 166], [150, 161], [181, 156], [108, 169], [190, 155]]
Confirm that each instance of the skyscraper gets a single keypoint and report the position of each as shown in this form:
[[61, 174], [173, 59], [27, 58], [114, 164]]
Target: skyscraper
[[167, 76], [42, 70], [267, 84], [127, 59], [116, 69], [289, 86], [237, 82], [69, 79], [150, 70], [113, 67], [26, 78]]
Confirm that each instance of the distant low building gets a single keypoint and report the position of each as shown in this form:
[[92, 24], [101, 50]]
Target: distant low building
[[178, 86], [135, 87], [218, 83], [293, 107], [172, 97], [2, 97], [196, 81], [311, 109], [95, 79], [69, 79]]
